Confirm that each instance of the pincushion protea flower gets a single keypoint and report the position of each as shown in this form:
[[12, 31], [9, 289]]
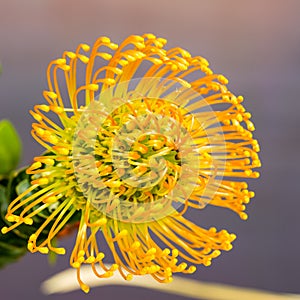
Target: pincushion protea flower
[[136, 158]]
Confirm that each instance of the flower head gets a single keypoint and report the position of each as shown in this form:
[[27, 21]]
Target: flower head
[[132, 142]]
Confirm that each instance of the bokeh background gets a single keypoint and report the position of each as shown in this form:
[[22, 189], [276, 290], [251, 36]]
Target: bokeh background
[[256, 44]]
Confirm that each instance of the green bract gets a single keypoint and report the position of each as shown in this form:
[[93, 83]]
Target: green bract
[[10, 147]]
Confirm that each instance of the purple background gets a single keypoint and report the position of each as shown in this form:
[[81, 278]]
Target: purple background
[[256, 44]]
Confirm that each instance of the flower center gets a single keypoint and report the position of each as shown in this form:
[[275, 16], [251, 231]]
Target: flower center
[[149, 170], [137, 159]]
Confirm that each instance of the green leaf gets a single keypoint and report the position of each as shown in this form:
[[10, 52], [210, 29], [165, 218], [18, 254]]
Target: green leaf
[[12, 246], [22, 186], [10, 147]]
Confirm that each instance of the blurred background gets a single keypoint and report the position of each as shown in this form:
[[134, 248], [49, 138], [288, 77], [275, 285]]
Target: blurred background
[[256, 44]]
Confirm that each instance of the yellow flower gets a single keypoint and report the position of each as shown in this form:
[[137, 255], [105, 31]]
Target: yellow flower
[[139, 135]]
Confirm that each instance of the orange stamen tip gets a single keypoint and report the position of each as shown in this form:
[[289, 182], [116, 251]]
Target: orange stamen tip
[[60, 251], [11, 218], [61, 150], [243, 216], [30, 246], [118, 71], [90, 260], [65, 67], [207, 263], [84, 287], [106, 56], [50, 199], [43, 250], [222, 79], [75, 265], [240, 99], [123, 233], [104, 39], [101, 222], [136, 245], [4, 230], [251, 194], [80, 259], [44, 107], [51, 95], [140, 46], [182, 266], [93, 87], [184, 53], [52, 139], [47, 161], [256, 174], [129, 277], [56, 109], [114, 267], [175, 252], [247, 153], [36, 116], [248, 172], [83, 58], [39, 131], [35, 165], [213, 229], [229, 247], [100, 256], [169, 280], [108, 274], [109, 81], [166, 252], [232, 236], [70, 54], [151, 251], [33, 237], [246, 200], [216, 253], [113, 46], [28, 221], [85, 47], [60, 61], [162, 40], [123, 62], [150, 36], [192, 269], [40, 181]]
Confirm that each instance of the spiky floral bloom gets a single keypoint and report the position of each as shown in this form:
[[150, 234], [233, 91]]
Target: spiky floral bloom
[[156, 239]]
